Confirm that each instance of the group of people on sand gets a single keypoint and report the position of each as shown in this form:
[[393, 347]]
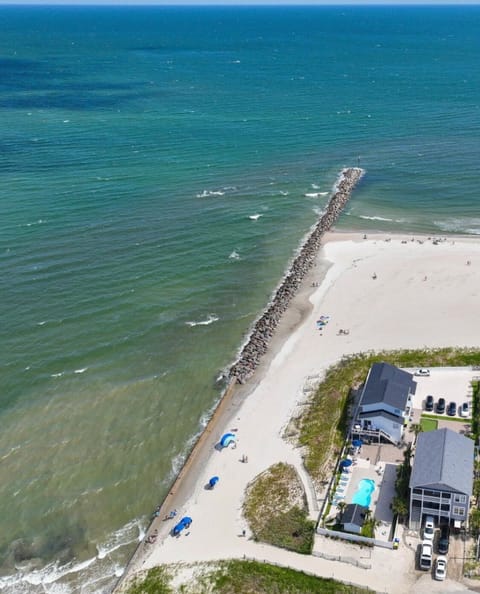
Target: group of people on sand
[[152, 538]]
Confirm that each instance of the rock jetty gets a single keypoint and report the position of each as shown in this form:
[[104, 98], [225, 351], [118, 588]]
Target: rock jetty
[[265, 326]]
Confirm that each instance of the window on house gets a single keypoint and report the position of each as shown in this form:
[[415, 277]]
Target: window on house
[[458, 511], [460, 498]]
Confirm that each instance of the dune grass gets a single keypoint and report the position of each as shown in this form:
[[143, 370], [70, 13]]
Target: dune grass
[[276, 510]]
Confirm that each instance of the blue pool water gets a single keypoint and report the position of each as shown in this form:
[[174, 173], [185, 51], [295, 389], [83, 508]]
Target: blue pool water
[[363, 494]]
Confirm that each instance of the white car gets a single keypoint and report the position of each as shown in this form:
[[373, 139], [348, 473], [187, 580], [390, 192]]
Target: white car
[[429, 529], [441, 568], [426, 551], [422, 372]]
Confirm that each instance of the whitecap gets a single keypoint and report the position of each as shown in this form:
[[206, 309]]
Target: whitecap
[[211, 318], [284, 192], [82, 370], [208, 193], [315, 194], [315, 187], [375, 218], [460, 225], [57, 374], [255, 217], [234, 255], [41, 323]]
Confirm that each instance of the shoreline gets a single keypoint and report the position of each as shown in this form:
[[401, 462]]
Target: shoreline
[[284, 313]]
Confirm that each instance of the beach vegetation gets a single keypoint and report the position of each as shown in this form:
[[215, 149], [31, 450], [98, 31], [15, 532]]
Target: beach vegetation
[[245, 577], [156, 581], [275, 508], [476, 410], [323, 425]]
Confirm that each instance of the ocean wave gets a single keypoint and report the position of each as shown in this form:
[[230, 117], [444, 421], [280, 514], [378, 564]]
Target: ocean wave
[[57, 374], [377, 218], [255, 217], [208, 193], [460, 225], [133, 531], [82, 370], [315, 187], [39, 222], [315, 194], [234, 255], [209, 320]]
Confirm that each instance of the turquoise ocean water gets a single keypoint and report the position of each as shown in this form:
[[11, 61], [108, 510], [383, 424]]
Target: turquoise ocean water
[[134, 145]]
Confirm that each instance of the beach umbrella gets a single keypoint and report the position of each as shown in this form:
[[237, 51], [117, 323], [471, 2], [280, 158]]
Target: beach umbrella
[[357, 443], [213, 481], [345, 463], [227, 439], [178, 528], [186, 521]]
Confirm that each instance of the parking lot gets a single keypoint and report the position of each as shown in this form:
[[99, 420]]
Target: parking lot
[[451, 383]]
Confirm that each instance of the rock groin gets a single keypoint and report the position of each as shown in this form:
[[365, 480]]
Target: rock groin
[[264, 327]]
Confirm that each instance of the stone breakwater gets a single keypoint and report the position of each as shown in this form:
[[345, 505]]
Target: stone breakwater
[[265, 326]]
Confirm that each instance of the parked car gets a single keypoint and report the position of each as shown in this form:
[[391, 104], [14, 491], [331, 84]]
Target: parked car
[[452, 409], [429, 402], [441, 406], [429, 528], [464, 410], [426, 555], [424, 372], [443, 541], [441, 568]]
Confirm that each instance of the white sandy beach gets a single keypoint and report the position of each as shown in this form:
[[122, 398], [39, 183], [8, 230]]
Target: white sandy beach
[[424, 295]]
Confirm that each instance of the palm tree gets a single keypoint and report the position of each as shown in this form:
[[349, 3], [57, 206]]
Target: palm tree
[[416, 428]]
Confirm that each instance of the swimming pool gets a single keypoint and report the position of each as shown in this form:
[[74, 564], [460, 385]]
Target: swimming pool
[[363, 494]]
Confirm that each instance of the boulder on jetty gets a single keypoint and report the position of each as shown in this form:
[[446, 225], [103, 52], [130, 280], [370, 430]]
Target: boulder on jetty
[[264, 327]]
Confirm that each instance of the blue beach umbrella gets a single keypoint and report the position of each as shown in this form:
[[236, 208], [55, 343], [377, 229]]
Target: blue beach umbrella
[[227, 439], [357, 443], [345, 463], [178, 528], [186, 521], [213, 481]]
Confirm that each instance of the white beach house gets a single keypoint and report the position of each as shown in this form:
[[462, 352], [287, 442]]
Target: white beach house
[[385, 402]]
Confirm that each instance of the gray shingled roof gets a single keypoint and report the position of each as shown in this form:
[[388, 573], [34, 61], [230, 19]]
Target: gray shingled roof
[[354, 514], [381, 413], [443, 461], [386, 383]]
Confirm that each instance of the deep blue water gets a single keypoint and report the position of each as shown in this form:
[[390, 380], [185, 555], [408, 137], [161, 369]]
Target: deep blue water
[[134, 145]]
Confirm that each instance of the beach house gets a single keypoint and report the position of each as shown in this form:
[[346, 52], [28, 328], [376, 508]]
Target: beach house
[[442, 478], [385, 402]]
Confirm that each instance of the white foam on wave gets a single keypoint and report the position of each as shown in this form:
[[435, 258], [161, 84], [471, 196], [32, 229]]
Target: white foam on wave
[[57, 374], [469, 226], [255, 217], [211, 318], [39, 222], [315, 194], [82, 370], [284, 192], [208, 193], [133, 531], [234, 255], [315, 187], [376, 218]]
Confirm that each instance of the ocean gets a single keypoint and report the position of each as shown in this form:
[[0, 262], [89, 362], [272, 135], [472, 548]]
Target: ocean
[[136, 143]]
